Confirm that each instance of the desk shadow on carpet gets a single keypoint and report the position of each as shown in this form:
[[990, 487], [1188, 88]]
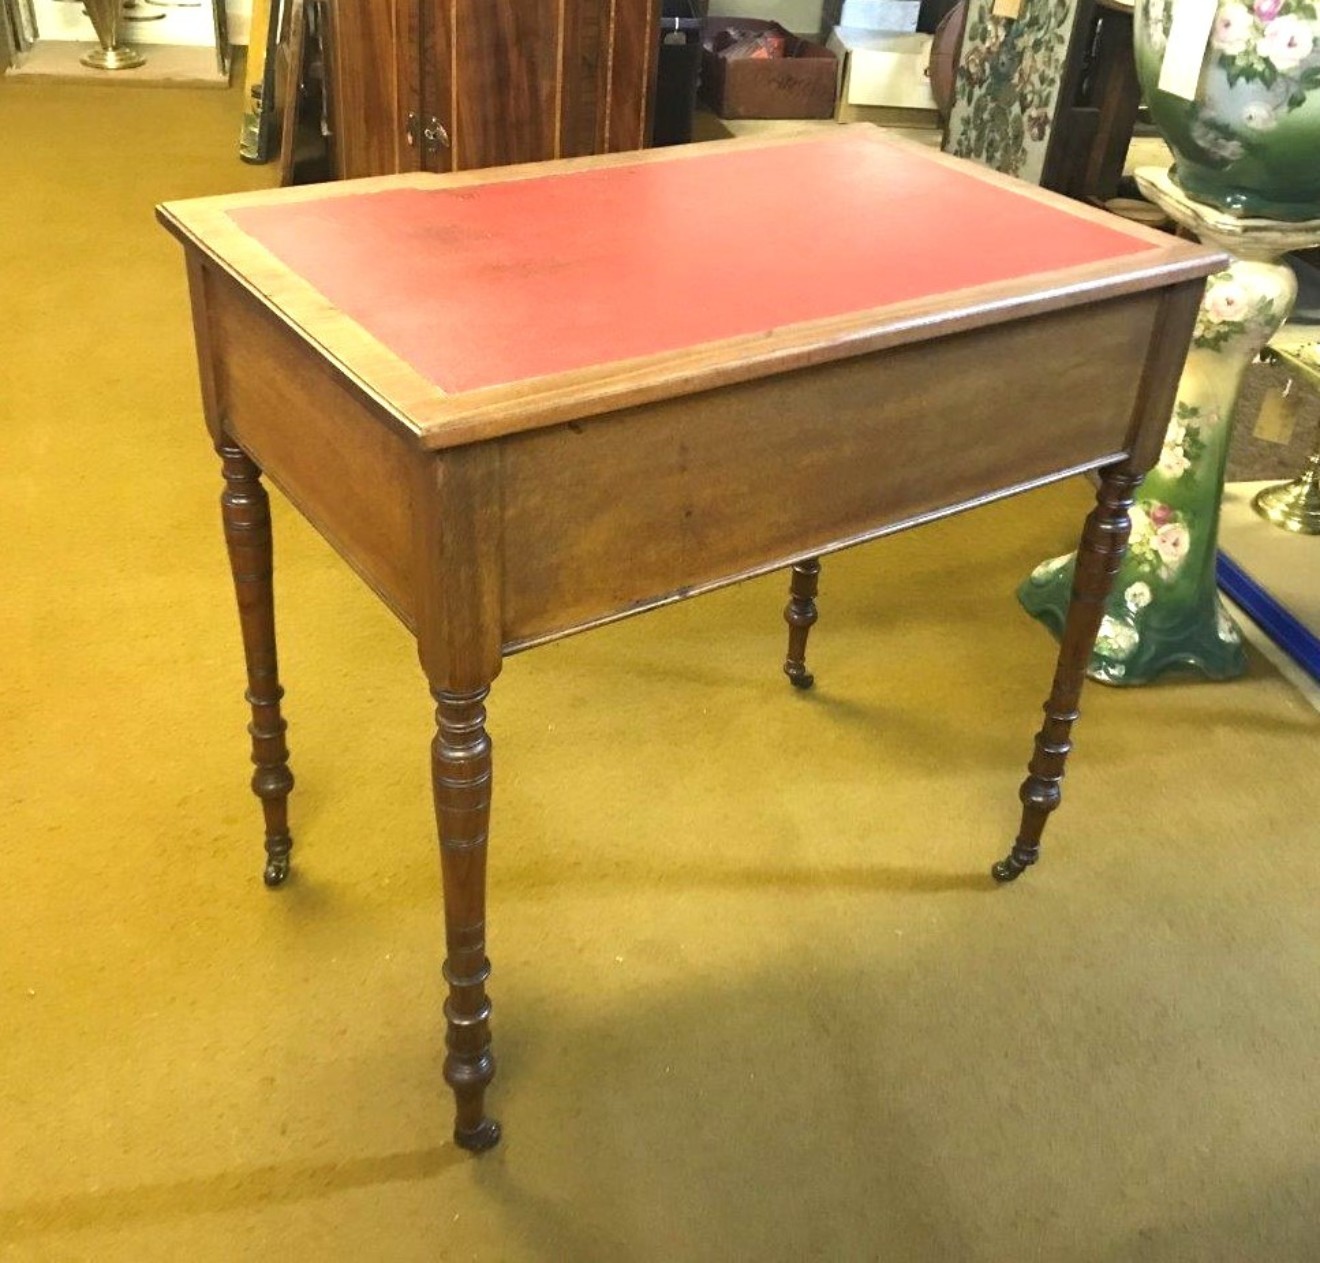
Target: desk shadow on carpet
[[243, 1189], [766, 1121]]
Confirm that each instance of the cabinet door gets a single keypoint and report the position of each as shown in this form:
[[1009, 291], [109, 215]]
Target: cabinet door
[[524, 80], [506, 81], [363, 42]]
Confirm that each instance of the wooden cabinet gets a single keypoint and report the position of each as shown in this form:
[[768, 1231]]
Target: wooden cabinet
[[448, 85]]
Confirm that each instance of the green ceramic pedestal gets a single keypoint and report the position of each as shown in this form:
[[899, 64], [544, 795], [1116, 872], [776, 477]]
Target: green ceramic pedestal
[[1165, 612]]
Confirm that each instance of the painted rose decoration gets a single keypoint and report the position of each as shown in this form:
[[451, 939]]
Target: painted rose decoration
[[1183, 443], [1160, 540], [1231, 309], [1232, 30], [1286, 43], [1136, 596], [1271, 44], [1247, 140], [1116, 638]]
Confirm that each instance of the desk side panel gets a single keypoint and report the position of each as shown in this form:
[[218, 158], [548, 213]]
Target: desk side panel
[[608, 516], [346, 470]]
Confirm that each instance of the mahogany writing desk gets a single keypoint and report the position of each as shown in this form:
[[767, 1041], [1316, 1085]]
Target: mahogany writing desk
[[524, 402]]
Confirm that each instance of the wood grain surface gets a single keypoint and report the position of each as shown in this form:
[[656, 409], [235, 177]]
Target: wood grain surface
[[509, 81], [506, 74], [345, 467], [447, 420], [606, 518], [495, 519], [584, 77], [364, 86]]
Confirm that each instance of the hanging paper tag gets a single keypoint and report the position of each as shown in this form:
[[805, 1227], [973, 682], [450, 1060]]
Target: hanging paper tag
[[1189, 33], [1278, 415], [1006, 9]]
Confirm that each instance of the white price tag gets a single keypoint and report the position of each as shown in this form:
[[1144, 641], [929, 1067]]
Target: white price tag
[[1189, 34]]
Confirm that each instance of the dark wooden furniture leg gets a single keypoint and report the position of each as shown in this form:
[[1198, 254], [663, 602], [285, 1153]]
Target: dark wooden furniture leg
[[461, 775], [1104, 541], [245, 508], [800, 614]]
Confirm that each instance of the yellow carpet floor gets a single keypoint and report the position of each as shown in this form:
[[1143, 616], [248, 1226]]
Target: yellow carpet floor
[[755, 996]]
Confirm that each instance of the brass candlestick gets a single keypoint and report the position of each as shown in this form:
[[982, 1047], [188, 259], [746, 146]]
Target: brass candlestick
[[112, 55], [1295, 506]]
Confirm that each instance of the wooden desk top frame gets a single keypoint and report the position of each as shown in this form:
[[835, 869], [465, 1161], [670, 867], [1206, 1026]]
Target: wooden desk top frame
[[505, 515]]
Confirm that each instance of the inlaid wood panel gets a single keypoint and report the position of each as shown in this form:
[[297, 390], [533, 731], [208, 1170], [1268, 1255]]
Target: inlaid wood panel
[[585, 76], [604, 517], [507, 81], [634, 51], [506, 71]]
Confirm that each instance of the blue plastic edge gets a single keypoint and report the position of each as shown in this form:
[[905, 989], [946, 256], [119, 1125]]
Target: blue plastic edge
[[1291, 635]]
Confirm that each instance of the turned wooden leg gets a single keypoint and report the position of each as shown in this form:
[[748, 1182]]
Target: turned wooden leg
[[461, 774], [1099, 556], [800, 615], [246, 512]]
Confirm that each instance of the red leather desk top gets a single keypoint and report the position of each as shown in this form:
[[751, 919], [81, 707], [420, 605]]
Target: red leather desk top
[[496, 283]]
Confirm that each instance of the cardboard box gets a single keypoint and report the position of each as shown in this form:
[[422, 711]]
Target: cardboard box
[[885, 78], [800, 85], [872, 15]]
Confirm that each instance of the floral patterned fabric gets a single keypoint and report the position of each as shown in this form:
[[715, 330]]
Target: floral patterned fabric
[[1007, 85]]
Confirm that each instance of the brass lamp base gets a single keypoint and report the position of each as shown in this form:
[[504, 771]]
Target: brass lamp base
[[1294, 506], [119, 58]]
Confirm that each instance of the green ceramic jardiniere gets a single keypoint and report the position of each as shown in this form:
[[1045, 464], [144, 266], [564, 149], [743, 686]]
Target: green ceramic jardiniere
[[1249, 142], [1165, 612]]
